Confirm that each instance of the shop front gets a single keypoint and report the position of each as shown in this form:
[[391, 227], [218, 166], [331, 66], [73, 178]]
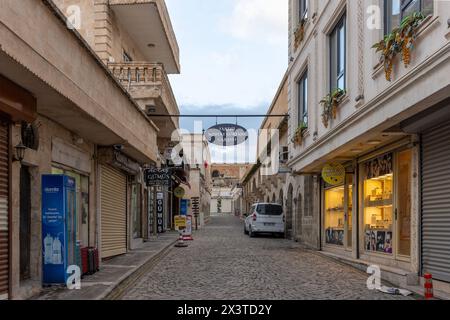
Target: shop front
[[75, 162], [120, 202], [16, 106], [385, 198], [433, 126], [338, 214], [368, 207]]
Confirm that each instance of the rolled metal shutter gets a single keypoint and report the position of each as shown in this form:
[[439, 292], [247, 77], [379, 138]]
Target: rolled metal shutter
[[4, 212], [113, 198], [436, 202]]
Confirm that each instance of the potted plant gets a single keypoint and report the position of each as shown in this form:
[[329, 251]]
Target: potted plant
[[298, 136], [399, 41], [330, 104], [299, 33]]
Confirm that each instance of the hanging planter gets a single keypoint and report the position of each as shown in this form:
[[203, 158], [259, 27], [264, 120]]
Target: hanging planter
[[299, 33], [298, 136], [330, 103], [400, 41]]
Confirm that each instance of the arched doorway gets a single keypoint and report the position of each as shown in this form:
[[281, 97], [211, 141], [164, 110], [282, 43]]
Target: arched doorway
[[274, 198], [289, 211]]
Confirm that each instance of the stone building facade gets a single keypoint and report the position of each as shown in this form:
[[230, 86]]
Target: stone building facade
[[61, 100], [381, 208]]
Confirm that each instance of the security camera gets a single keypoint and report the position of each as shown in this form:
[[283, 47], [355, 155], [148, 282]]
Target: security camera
[[118, 147]]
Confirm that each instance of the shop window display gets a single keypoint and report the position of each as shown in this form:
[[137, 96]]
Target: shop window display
[[378, 204], [334, 216], [349, 210]]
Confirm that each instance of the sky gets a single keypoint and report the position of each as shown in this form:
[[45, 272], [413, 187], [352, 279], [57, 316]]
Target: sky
[[233, 55]]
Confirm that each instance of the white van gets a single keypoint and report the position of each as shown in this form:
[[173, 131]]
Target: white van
[[265, 218]]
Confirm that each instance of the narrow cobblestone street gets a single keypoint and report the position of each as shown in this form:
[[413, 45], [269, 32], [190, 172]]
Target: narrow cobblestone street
[[223, 263]]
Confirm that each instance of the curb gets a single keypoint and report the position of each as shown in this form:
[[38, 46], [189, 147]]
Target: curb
[[118, 290]]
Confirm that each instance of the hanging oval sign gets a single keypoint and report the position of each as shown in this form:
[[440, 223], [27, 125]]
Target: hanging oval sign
[[179, 192], [226, 135], [333, 174]]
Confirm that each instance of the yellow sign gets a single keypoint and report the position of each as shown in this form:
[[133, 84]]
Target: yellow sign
[[333, 174], [179, 192], [180, 222]]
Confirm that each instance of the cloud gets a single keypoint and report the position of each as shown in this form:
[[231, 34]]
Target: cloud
[[260, 20]]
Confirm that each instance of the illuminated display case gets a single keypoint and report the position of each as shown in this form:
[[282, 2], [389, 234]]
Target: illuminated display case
[[334, 215], [377, 193]]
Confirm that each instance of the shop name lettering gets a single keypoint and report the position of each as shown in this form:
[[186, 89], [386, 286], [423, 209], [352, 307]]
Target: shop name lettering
[[51, 190], [244, 309]]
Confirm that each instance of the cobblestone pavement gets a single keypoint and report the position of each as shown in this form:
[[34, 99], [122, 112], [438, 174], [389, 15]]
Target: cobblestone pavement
[[223, 263]]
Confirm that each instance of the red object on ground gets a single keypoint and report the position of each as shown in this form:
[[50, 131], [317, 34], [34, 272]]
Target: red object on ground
[[84, 260], [188, 238], [428, 285]]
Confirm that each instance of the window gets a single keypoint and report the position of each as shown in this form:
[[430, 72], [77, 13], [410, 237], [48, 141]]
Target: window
[[303, 100], [334, 217], [303, 7], [377, 200], [338, 56], [396, 10], [269, 209]]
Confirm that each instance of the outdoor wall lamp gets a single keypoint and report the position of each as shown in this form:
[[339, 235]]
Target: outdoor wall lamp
[[20, 152]]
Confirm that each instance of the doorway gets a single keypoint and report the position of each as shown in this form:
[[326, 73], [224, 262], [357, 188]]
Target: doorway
[[25, 222]]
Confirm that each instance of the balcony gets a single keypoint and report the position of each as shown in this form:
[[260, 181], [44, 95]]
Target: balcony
[[148, 23], [149, 86]]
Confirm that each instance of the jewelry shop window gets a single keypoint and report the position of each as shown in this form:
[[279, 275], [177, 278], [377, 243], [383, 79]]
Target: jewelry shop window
[[377, 193], [334, 215]]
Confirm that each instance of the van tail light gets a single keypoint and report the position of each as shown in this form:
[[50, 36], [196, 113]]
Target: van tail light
[[254, 217]]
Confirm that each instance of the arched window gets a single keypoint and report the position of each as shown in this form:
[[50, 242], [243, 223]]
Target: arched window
[[216, 174]]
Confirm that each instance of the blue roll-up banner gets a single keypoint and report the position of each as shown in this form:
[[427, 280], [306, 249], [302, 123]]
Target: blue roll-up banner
[[58, 227], [183, 207]]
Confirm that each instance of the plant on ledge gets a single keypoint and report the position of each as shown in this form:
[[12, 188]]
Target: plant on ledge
[[298, 136], [299, 33], [330, 104], [399, 41]]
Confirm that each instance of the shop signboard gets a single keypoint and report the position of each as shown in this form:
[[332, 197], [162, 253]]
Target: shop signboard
[[160, 212], [179, 192], [195, 206], [188, 230], [333, 174], [226, 135], [58, 227], [180, 222], [157, 177], [184, 207]]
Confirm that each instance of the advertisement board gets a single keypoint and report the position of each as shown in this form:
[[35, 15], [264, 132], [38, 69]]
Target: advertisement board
[[160, 212], [58, 227]]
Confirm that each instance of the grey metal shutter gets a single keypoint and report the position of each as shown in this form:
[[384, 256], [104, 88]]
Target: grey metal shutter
[[436, 202], [4, 211], [113, 198]]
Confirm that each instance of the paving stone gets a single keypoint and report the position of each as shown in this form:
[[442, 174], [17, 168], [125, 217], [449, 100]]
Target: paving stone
[[223, 263]]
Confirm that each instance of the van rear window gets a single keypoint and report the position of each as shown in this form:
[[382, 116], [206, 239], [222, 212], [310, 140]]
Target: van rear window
[[270, 210]]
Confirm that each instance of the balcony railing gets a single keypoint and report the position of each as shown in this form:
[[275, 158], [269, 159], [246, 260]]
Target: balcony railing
[[146, 80]]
